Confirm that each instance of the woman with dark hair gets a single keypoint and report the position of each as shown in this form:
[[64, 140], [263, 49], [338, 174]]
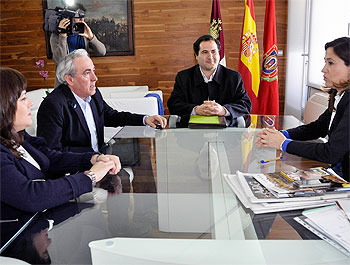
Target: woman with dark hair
[[334, 122], [28, 166]]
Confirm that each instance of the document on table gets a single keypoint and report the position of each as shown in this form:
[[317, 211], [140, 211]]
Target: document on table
[[332, 222], [345, 204]]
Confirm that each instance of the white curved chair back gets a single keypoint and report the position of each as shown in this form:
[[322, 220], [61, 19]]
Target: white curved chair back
[[12, 261], [36, 96], [107, 91], [315, 106], [146, 106]]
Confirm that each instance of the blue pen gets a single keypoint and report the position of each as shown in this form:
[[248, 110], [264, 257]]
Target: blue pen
[[271, 159], [342, 189]]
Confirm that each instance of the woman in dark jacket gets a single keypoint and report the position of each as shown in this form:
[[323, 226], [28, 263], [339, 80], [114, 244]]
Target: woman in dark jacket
[[27, 165], [334, 122]]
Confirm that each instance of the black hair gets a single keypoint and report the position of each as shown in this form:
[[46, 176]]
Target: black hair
[[341, 47], [12, 83], [204, 38]]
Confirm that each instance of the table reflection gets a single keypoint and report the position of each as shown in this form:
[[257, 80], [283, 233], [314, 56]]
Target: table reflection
[[171, 186]]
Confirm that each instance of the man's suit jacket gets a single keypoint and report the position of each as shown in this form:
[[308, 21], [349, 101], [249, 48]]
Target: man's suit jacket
[[227, 89], [336, 149], [62, 123]]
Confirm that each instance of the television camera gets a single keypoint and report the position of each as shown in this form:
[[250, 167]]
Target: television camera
[[54, 16]]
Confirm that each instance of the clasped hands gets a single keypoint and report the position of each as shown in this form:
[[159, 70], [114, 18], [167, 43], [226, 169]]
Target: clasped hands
[[210, 108], [270, 137], [103, 164]]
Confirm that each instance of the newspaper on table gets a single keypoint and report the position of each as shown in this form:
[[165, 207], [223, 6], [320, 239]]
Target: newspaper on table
[[262, 199], [273, 187]]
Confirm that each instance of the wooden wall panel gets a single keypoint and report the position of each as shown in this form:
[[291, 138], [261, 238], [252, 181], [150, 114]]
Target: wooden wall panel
[[164, 32]]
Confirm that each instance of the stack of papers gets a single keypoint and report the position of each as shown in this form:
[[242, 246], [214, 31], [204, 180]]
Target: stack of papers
[[330, 224], [264, 198]]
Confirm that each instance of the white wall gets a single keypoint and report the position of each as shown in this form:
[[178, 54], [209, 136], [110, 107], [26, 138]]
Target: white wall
[[328, 20], [305, 46], [295, 90]]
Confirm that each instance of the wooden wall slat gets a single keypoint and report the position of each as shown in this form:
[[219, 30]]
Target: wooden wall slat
[[164, 32]]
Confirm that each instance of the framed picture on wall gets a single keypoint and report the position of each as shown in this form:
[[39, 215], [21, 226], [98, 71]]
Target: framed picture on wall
[[110, 20]]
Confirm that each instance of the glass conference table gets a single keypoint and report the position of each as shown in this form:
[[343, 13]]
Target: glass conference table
[[177, 209]]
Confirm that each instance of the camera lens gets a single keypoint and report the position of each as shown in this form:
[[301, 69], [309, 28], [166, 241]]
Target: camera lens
[[78, 27]]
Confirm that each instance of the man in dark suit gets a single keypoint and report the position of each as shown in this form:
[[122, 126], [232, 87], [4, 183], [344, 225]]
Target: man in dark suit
[[72, 117], [209, 88]]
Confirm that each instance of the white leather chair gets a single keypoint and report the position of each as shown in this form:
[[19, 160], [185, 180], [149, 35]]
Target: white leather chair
[[106, 91], [12, 261], [315, 106], [146, 106], [135, 103], [121, 98], [36, 96], [136, 94], [140, 105]]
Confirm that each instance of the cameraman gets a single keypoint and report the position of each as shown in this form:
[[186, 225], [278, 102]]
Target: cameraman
[[62, 43]]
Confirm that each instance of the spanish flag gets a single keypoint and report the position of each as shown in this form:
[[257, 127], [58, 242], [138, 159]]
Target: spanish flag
[[268, 91], [216, 28], [248, 64]]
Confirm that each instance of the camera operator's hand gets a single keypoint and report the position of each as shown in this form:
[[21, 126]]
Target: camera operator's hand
[[87, 32], [64, 23]]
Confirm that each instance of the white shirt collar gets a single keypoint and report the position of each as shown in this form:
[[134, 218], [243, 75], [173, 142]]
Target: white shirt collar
[[337, 99], [81, 102], [89, 118], [206, 80], [28, 157]]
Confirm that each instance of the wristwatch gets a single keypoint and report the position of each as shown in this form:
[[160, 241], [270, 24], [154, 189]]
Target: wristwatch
[[92, 176], [61, 30]]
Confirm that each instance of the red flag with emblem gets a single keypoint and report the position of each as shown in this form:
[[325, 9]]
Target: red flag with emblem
[[248, 64], [216, 28], [268, 91]]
